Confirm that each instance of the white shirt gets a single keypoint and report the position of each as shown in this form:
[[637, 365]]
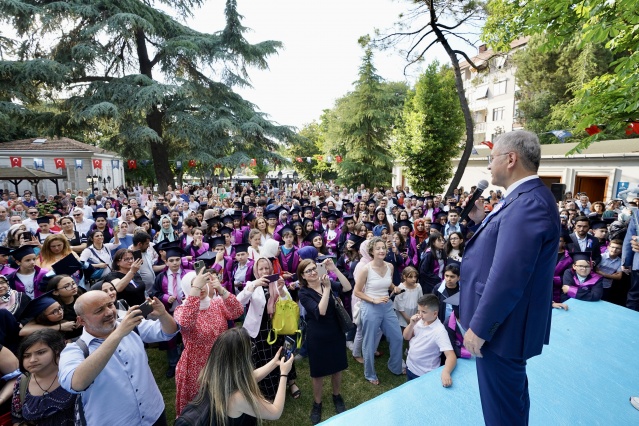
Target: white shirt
[[426, 346], [31, 225], [83, 228], [514, 186], [27, 280]]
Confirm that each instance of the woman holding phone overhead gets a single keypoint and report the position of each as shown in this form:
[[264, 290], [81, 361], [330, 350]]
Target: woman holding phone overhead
[[262, 294]]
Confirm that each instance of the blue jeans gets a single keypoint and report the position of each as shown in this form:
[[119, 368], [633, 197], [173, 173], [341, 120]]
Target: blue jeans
[[410, 375], [373, 318]]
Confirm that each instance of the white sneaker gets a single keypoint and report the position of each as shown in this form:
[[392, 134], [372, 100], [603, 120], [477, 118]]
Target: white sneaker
[[349, 345], [634, 400]]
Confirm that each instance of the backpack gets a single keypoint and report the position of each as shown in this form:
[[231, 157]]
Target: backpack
[[285, 321]]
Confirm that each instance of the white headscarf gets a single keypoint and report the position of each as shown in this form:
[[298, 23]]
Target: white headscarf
[[269, 249], [186, 282]]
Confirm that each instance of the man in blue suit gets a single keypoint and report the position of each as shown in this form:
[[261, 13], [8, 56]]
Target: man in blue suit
[[506, 279]]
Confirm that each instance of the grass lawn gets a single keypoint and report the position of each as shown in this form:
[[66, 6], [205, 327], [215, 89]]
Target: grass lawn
[[355, 388]]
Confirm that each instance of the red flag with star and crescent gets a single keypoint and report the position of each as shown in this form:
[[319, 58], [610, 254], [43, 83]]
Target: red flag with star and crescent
[[16, 161], [132, 164], [97, 164], [59, 163]]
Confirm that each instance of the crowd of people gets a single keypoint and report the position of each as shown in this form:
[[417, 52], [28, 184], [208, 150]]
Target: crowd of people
[[87, 280]]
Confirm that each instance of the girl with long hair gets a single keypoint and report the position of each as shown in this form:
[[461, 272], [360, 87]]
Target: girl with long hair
[[431, 267], [77, 242], [229, 392], [455, 248]]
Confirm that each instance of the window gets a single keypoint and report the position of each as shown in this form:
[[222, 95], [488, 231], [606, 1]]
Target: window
[[499, 88], [498, 113], [482, 92]]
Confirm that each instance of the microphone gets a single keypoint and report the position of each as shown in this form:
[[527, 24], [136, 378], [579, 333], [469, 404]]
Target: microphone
[[481, 185]]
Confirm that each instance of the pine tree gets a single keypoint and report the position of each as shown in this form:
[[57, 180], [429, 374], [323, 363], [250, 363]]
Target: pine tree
[[431, 130], [360, 127], [153, 84]]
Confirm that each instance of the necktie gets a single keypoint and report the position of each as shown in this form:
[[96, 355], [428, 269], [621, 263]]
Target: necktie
[[175, 286]]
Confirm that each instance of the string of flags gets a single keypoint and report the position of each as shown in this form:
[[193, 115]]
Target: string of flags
[[60, 163]]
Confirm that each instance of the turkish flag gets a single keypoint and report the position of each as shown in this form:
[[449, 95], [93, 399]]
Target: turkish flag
[[299, 159], [59, 163], [132, 164], [593, 130], [338, 158], [191, 163], [97, 164], [633, 127], [253, 162], [16, 161], [489, 144]]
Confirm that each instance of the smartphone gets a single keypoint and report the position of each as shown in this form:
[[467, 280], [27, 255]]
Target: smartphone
[[272, 278], [293, 277], [146, 308], [321, 269], [289, 347], [137, 254], [198, 265], [27, 236]]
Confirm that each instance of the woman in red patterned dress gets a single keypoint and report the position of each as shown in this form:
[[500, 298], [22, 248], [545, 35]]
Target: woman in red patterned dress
[[202, 319]]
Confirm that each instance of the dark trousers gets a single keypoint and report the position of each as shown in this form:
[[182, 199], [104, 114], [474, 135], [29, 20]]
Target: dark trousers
[[162, 420], [503, 388], [633, 294]]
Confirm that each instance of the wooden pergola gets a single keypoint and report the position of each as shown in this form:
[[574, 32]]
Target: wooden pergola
[[15, 175]]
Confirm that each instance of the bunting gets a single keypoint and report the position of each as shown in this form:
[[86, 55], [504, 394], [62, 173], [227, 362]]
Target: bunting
[[97, 164], [16, 161], [59, 163], [115, 164], [38, 163], [192, 163], [78, 164], [132, 164]]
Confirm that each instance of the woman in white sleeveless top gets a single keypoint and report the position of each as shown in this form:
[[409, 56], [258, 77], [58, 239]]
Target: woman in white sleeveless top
[[372, 284]]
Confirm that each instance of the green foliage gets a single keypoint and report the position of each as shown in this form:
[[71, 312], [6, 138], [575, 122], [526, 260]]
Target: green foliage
[[547, 80], [311, 142], [608, 98], [153, 85], [431, 129], [360, 126]]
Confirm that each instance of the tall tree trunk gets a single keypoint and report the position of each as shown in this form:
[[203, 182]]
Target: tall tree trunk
[[459, 84], [159, 152]]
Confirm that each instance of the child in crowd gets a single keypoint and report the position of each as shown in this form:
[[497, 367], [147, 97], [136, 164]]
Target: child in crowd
[[428, 340], [610, 266], [448, 288], [405, 303], [580, 282]]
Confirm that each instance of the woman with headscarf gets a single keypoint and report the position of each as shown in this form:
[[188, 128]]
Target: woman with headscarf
[[202, 319], [261, 296], [166, 232], [419, 231]]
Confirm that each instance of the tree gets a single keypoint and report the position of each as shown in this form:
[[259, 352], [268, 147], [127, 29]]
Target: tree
[[429, 23], [431, 129], [163, 88], [547, 80], [609, 98], [310, 143], [360, 126]]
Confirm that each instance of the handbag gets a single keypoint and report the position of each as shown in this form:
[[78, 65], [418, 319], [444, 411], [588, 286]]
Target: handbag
[[285, 322], [345, 322]]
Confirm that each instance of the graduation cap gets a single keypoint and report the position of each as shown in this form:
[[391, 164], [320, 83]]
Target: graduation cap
[[581, 255], [324, 215], [295, 223], [311, 236], [68, 265], [322, 205], [295, 210], [38, 305], [97, 215], [306, 221], [252, 204], [140, 220], [357, 240], [440, 215], [436, 226], [306, 209], [21, 252], [599, 225], [241, 248], [458, 209], [400, 206], [237, 205], [369, 225], [272, 214], [404, 223], [237, 214], [369, 202], [175, 252], [285, 229], [346, 217], [213, 221], [421, 199], [332, 216], [227, 219], [217, 241], [250, 216], [226, 230], [208, 257], [347, 205], [5, 251], [43, 220], [304, 201], [316, 211], [165, 245]]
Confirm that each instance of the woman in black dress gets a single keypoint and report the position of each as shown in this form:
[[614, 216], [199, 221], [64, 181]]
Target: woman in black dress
[[325, 339]]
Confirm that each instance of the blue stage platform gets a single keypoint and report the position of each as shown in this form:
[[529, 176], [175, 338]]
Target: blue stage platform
[[584, 377]]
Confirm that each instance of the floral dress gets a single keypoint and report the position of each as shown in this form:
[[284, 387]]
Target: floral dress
[[200, 329]]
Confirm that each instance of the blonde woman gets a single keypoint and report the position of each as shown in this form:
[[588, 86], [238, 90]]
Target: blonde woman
[[229, 391]]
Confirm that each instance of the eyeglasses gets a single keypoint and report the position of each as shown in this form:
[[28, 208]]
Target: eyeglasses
[[491, 158], [76, 214], [311, 271], [128, 259], [68, 286], [57, 310], [33, 212], [583, 266]]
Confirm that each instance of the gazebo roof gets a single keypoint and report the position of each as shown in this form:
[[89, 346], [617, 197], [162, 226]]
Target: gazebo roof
[[26, 173], [57, 144]]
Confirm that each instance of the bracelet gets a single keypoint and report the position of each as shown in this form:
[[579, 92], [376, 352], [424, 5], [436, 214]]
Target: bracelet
[[60, 327], [283, 375]]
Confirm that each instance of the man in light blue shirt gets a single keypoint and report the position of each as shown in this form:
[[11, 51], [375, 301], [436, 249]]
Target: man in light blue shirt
[[115, 381]]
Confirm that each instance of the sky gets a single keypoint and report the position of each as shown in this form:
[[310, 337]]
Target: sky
[[320, 57]]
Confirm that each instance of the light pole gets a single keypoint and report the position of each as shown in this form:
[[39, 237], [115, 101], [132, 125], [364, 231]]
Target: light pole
[[92, 180], [295, 176], [279, 180]]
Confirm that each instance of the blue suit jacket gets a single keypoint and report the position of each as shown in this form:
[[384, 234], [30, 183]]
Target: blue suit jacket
[[507, 273]]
